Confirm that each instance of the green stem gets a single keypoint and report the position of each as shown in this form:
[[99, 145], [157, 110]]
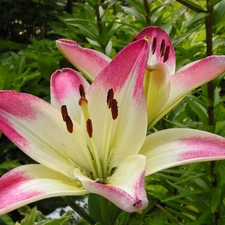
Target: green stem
[[209, 45], [147, 18], [99, 24], [77, 209]]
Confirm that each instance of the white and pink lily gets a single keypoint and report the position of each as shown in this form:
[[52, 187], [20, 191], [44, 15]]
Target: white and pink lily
[[92, 138], [164, 88]]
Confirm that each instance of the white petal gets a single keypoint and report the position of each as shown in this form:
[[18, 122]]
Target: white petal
[[30, 183], [126, 186], [178, 146]]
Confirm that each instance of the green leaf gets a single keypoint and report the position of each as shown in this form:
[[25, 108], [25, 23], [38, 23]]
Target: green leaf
[[195, 5], [203, 217], [194, 19], [185, 53], [213, 2], [198, 109], [106, 212], [30, 218], [6, 220], [64, 220], [8, 165], [219, 13], [216, 197], [122, 218]]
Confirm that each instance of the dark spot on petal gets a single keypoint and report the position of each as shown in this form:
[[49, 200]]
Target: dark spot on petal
[[64, 112], [162, 48], [154, 45], [110, 97], [137, 202], [166, 55], [114, 109], [89, 127], [81, 90], [69, 124]]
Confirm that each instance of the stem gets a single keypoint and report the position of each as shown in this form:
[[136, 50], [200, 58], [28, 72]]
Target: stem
[[148, 21], [214, 185], [77, 209], [209, 25], [99, 24], [209, 44]]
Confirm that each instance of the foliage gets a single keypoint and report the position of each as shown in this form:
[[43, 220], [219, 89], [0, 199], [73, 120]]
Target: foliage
[[192, 194]]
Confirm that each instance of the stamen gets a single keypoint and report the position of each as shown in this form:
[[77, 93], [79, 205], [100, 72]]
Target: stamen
[[69, 124], [82, 100], [162, 48], [166, 55], [114, 108], [154, 45], [81, 90], [64, 112], [137, 202], [89, 127], [110, 97]]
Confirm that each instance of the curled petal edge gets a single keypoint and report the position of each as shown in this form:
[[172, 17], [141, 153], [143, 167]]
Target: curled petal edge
[[125, 188]]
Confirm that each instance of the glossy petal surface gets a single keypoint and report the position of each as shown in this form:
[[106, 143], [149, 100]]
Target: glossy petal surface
[[31, 183], [122, 82], [189, 77], [38, 129], [161, 48], [65, 90], [88, 61], [172, 147], [157, 90]]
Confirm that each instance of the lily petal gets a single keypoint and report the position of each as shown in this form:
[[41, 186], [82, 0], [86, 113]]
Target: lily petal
[[161, 48], [157, 90], [189, 77], [117, 105], [178, 146], [126, 186], [38, 129], [90, 62], [30, 183], [67, 86]]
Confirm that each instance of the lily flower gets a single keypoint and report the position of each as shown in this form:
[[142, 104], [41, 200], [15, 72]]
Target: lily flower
[[84, 140], [92, 138], [164, 88]]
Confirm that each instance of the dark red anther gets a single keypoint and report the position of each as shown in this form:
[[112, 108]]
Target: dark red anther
[[114, 108], [89, 127], [69, 124], [154, 45], [162, 48], [81, 100], [110, 97], [137, 202], [81, 90], [166, 55], [64, 112]]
